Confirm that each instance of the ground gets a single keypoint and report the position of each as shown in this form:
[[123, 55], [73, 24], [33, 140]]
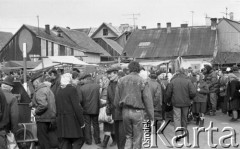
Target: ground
[[220, 121]]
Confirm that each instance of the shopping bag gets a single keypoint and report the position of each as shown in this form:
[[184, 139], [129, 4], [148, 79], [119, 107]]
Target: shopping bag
[[11, 142], [103, 117]]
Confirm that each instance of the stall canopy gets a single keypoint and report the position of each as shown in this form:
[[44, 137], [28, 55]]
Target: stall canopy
[[19, 64], [51, 61], [156, 63]]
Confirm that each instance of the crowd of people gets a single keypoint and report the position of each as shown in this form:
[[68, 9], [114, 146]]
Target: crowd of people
[[68, 104]]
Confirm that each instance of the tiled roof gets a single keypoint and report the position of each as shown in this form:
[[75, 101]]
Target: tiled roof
[[157, 43], [4, 38], [114, 45], [40, 32], [83, 41]]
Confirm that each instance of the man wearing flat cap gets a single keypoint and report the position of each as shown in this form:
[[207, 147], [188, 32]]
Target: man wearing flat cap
[[89, 93], [7, 86], [44, 110]]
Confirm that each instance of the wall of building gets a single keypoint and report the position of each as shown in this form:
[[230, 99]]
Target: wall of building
[[228, 37], [92, 58], [99, 34]]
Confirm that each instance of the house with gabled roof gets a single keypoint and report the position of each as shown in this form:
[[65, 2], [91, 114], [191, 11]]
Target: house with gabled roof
[[194, 44], [228, 42], [46, 42]]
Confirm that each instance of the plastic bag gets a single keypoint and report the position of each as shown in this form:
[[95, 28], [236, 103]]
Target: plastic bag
[[11, 141], [103, 117]]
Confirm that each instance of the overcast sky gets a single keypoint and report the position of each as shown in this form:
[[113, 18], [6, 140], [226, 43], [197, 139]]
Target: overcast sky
[[91, 13]]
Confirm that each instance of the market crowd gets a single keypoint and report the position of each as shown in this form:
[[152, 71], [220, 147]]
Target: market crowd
[[70, 104]]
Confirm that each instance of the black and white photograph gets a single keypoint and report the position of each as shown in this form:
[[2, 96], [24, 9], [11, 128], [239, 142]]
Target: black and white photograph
[[119, 74]]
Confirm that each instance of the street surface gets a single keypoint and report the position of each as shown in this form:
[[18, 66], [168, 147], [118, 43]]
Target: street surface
[[220, 121]]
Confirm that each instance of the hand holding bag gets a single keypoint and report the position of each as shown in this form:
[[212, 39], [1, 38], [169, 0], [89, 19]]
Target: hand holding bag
[[103, 117]]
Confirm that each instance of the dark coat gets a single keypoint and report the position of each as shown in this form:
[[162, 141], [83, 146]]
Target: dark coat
[[233, 93], [90, 97], [180, 91], [4, 112], [13, 109], [201, 95], [111, 109], [69, 113], [156, 92], [55, 85]]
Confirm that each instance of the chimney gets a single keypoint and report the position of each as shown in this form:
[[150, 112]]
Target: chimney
[[47, 28], [169, 27], [184, 25], [158, 25], [144, 27], [68, 27], [231, 15], [213, 23]]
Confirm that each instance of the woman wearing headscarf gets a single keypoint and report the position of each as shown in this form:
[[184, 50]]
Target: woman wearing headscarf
[[70, 120]]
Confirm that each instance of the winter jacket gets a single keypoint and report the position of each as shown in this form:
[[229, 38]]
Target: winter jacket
[[13, 109], [180, 91], [44, 102], [133, 92], [4, 112], [156, 92], [89, 93], [213, 83], [201, 95]]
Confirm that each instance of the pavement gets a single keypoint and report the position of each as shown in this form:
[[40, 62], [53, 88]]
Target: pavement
[[220, 121]]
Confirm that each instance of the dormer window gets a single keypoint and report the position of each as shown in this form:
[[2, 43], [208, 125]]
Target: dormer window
[[105, 32]]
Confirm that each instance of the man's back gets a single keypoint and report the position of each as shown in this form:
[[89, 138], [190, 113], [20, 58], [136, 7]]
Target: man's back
[[180, 91], [89, 93]]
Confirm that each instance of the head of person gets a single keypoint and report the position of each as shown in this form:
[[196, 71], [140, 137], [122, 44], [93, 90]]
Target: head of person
[[207, 69], [76, 70], [235, 68], [53, 74], [7, 83], [86, 78], [37, 79], [134, 67], [153, 75], [228, 70], [66, 79], [112, 73], [75, 78]]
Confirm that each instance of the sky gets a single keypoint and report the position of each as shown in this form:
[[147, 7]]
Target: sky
[[92, 13]]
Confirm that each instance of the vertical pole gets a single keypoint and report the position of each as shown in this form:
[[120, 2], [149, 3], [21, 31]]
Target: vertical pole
[[25, 66]]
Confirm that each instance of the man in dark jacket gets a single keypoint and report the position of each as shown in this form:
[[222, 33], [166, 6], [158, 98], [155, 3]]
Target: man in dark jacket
[[4, 120], [70, 120], [44, 110], [89, 93], [7, 86], [133, 96], [180, 92], [212, 80], [55, 80], [156, 92]]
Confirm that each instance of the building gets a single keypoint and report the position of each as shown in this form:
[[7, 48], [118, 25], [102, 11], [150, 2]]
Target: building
[[110, 38], [194, 44], [4, 37], [46, 42], [228, 42]]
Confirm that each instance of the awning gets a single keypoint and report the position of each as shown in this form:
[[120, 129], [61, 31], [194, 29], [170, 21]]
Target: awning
[[57, 60], [156, 63]]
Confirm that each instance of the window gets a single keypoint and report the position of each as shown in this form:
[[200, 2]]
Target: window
[[105, 32], [144, 44]]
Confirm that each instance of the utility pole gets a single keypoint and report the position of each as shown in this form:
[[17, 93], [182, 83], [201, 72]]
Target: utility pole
[[134, 18], [226, 13], [192, 17], [38, 23]]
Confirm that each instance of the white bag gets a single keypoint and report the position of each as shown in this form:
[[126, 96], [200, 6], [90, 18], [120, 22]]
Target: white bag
[[103, 117], [11, 142]]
